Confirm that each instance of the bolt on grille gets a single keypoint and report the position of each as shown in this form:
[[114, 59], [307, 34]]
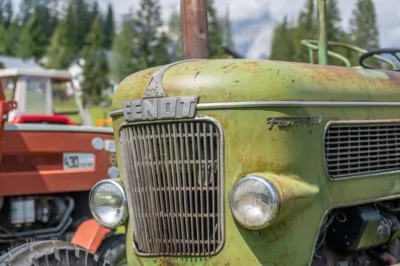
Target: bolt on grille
[[361, 149], [174, 176]]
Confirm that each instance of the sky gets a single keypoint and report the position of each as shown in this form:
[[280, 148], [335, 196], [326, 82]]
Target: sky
[[254, 20]]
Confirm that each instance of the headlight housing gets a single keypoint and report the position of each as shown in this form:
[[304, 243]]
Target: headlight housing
[[108, 204], [254, 202]]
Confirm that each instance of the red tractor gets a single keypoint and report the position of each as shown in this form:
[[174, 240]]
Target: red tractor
[[35, 91], [48, 167]]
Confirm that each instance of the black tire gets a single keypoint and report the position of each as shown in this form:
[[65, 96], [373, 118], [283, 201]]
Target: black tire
[[113, 250], [49, 253]]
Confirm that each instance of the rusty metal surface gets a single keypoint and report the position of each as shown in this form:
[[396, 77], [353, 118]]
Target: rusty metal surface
[[265, 80], [194, 30]]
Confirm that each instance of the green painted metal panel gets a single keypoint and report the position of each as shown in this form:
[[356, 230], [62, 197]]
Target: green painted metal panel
[[257, 80], [297, 153]]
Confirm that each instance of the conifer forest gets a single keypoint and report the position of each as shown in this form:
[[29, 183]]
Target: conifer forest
[[57, 33]]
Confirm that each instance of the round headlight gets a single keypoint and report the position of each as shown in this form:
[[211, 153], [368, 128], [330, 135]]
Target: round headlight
[[254, 202], [108, 204]]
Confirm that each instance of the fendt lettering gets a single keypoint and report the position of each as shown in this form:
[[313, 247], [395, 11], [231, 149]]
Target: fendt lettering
[[160, 108], [285, 122]]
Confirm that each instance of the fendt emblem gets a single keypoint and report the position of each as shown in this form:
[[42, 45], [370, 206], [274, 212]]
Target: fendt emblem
[[156, 105], [160, 108]]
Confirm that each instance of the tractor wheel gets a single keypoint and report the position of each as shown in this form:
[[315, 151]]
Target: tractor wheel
[[113, 250], [50, 252]]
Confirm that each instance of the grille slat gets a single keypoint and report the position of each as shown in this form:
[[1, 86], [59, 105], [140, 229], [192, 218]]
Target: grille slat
[[183, 169], [199, 180], [175, 180], [167, 219], [187, 147], [362, 148]]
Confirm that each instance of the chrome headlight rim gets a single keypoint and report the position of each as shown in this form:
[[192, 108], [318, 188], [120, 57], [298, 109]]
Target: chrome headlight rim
[[273, 191], [116, 182]]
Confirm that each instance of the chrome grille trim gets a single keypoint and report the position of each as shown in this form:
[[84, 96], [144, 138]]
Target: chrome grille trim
[[354, 149], [176, 229]]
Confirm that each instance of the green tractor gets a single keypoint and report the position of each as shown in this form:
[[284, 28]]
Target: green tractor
[[253, 162]]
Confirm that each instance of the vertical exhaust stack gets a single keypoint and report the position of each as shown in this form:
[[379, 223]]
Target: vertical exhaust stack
[[194, 29], [322, 42]]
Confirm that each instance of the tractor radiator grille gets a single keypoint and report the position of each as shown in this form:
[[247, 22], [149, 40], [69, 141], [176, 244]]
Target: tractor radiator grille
[[173, 172], [31, 163], [359, 149]]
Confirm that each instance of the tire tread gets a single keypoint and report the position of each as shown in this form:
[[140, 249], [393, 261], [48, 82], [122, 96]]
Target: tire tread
[[50, 253]]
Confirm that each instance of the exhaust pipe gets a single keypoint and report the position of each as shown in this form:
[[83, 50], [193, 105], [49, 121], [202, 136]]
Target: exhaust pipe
[[194, 29]]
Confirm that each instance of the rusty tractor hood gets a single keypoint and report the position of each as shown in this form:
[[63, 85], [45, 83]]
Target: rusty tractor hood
[[241, 80]]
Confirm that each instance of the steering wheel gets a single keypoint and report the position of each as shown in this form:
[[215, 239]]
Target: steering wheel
[[376, 52]]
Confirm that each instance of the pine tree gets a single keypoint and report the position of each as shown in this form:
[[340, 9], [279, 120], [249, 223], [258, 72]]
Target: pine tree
[[2, 37], [59, 54], [109, 27], [12, 37], [78, 19], [174, 26], [215, 32], [38, 29], [174, 23], [281, 45], [26, 48], [73, 32], [47, 18], [228, 40], [363, 25], [94, 12], [334, 32], [95, 69], [306, 29], [33, 40], [147, 23], [124, 51], [6, 13], [26, 8], [161, 54]]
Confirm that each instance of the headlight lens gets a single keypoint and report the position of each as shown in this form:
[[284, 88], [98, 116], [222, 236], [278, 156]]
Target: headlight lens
[[108, 204], [254, 202]]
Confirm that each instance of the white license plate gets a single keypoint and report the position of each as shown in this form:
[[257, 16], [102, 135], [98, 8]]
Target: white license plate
[[78, 161]]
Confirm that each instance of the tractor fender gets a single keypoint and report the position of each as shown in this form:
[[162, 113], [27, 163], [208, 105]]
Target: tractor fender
[[89, 235]]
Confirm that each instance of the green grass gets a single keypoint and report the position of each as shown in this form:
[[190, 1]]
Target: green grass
[[96, 112]]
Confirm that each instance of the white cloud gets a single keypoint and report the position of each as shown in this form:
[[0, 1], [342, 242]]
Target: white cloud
[[261, 45], [242, 9], [123, 6]]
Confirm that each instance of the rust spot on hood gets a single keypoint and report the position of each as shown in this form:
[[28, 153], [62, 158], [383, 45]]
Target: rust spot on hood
[[166, 262], [252, 64]]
